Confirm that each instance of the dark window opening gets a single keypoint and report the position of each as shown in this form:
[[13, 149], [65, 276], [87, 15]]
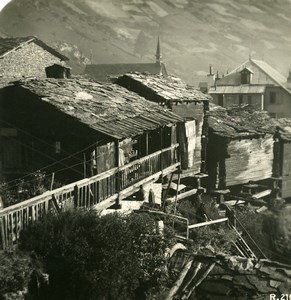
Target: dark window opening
[[220, 100], [272, 97], [250, 100], [245, 78], [240, 99]]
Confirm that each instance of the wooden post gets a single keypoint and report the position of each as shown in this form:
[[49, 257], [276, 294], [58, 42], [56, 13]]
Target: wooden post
[[52, 181], [76, 196], [147, 143], [118, 178], [262, 102], [176, 199], [91, 164], [85, 171], [161, 162], [4, 241]]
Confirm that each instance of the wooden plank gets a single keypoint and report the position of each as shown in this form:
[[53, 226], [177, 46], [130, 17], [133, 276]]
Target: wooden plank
[[250, 159], [207, 223], [183, 195], [262, 194], [3, 235]]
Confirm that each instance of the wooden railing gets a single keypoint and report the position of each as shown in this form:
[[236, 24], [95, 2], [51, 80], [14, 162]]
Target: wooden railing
[[84, 193], [146, 166]]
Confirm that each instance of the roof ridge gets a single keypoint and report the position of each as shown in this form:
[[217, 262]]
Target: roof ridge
[[275, 80], [235, 69]]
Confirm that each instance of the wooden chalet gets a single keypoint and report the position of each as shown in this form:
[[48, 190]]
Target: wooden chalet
[[183, 100], [83, 128], [240, 146], [23, 57], [282, 159]]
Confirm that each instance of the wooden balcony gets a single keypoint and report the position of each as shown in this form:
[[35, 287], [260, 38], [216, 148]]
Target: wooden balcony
[[99, 191]]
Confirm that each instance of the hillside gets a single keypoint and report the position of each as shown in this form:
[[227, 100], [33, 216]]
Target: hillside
[[193, 33]]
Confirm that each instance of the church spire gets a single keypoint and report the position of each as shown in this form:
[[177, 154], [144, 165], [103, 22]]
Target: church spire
[[158, 52]]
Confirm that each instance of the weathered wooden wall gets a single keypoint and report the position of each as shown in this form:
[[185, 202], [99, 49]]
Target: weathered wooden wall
[[28, 61], [286, 171], [189, 111], [104, 158], [250, 159]]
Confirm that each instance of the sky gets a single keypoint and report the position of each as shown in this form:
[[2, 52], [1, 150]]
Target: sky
[[3, 3]]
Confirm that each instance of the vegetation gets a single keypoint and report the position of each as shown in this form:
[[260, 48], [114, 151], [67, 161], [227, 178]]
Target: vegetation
[[271, 231], [214, 238], [15, 270], [88, 256], [28, 187]]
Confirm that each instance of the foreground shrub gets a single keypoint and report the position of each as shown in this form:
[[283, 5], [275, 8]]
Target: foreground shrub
[[98, 257], [15, 270]]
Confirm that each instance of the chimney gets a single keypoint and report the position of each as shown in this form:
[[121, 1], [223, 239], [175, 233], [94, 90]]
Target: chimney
[[289, 81], [210, 69], [210, 77]]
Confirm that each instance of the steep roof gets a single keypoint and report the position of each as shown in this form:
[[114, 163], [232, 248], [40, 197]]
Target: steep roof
[[166, 88], [263, 74], [105, 107], [103, 72], [270, 71], [237, 122], [8, 45]]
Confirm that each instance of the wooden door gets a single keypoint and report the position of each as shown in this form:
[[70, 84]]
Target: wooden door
[[10, 156]]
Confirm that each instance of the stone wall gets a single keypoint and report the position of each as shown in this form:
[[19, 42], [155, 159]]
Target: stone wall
[[28, 61]]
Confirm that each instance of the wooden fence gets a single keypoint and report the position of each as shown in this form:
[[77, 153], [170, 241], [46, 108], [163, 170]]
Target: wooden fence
[[84, 193]]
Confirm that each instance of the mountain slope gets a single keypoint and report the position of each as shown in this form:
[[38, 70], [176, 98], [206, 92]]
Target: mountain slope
[[193, 33]]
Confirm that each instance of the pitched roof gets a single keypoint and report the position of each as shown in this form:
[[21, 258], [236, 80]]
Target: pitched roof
[[8, 45], [270, 71], [269, 74], [105, 107], [103, 72], [238, 122], [166, 88]]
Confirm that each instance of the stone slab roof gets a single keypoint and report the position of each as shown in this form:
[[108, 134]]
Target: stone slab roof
[[167, 88], [236, 276], [107, 108], [284, 128], [238, 122], [11, 44]]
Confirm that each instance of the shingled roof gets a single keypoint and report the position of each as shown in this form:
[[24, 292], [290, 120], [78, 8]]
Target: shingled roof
[[8, 45], [166, 88], [105, 107], [238, 122]]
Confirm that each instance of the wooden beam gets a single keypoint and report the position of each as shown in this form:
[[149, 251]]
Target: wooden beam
[[208, 223], [183, 195], [262, 194]]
